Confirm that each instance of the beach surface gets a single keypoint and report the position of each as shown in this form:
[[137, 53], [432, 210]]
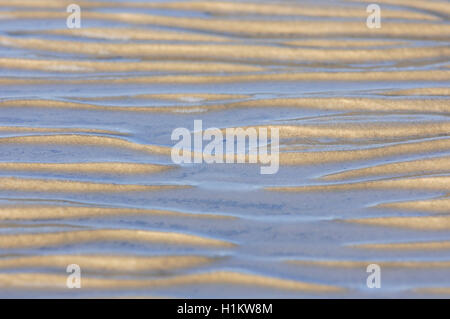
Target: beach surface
[[86, 175]]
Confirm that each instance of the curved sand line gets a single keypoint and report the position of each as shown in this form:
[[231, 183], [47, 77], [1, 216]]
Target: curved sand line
[[439, 205], [433, 6], [430, 245], [127, 264], [438, 183], [267, 28], [134, 34], [87, 140], [422, 166], [364, 264], [183, 97], [380, 105], [106, 235], [40, 281], [307, 158], [433, 290], [103, 167], [222, 7], [57, 130], [67, 212], [21, 226], [212, 51], [343, 43], [54, 185], [98, 66], [85, 106], [369, 104], [420, 223], [233, 8], [437, 91], [435, 75], [362, 131]]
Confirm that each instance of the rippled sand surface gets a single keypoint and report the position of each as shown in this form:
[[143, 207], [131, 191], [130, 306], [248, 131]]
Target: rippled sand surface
[[86, 176]]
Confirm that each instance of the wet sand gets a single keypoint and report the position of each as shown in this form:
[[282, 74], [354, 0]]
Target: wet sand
[[86, 117]]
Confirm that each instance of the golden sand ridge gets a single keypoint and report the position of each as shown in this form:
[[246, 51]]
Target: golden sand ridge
[[418, 167], [431, 6], [427, 245], [90, 167], [54, 185], [436, 75], [432, 91], [420, 223], [361, 131], [210, 51], [96, 66], [364, 264], [42, 281], [184, 97], [87, 140], [438, 183], [433, 290], [258, 28], [107, 235], [343, 43], [135, 34], [437, 205], [57, 130], [343, 103], [21, 226], [308, 158], [336, 103], [110, 263], [35, 212], [222, 7], [54, 104]]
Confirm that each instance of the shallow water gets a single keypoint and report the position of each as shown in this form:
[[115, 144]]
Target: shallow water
[[363, 120]]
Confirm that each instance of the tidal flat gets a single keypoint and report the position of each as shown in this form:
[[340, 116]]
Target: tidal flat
[[87, 177]]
